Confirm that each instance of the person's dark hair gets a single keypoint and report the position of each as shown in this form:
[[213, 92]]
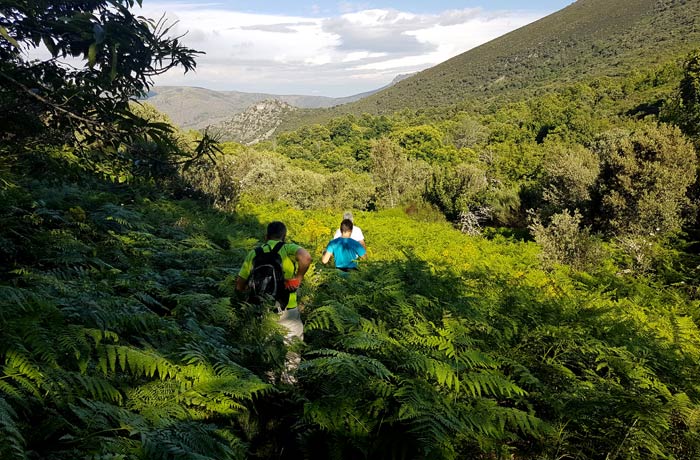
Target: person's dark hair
[[346, 226], [276, 230]]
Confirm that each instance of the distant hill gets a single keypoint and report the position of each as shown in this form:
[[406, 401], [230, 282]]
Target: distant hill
[[256, 123], [590, 38], [196, 108]]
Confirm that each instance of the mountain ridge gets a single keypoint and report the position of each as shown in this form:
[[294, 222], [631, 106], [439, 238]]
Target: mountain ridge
[[195, 107], [587, 39]]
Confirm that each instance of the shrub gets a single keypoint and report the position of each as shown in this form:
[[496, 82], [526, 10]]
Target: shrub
[[645, 174], [569, 174], [563, 241]]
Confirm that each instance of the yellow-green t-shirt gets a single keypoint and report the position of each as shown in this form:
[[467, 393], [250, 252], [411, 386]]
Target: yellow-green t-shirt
[[288, 253]]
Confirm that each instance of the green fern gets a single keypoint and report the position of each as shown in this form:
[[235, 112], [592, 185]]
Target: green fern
[[137, 362], [68, 386], [190, 440], [157, 401], [18, 367], [12, 443]]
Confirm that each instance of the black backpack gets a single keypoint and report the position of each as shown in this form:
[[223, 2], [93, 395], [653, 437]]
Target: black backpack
[[267, 278]]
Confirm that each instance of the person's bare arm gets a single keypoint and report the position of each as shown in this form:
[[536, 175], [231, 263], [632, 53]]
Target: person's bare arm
[[362, 242], [241, 284], [303, 262], [326, 257]]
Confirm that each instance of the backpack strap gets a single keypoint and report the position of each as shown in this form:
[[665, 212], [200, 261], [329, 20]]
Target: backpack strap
[[274, 250], [277, 247]]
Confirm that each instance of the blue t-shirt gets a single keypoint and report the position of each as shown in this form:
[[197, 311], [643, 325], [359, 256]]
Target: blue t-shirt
[[345, 251]]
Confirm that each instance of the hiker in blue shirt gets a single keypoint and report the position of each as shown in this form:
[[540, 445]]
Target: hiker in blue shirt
[[344, 250]]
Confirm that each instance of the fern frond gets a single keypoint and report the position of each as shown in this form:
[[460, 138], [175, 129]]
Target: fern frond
[[14, 301], [95, 387], [223, 395], [200, 242], [11, 440], [231, 369], [8, 389], [524, 376], [334, 316], [203, 306], [526, 423], [157, 401], [69, 273], [20, 368], [338, 365], [490, 383], [686, 335], [428, 414], [139, 363], [190, 441], [40, 340], [107, 457], [366, 340], [475, 359], [99, 416], [688, 410], [72, 341], [118, 218]]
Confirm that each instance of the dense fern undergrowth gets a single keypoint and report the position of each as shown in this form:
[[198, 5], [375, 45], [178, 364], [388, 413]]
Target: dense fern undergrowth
[[122, 338], [530, 291]]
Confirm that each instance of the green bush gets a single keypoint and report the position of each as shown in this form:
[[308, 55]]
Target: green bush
[[645, 173], [565, 241]]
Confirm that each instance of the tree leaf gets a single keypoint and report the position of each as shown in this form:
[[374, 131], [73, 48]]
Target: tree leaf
[[92, 55], [49, 44], [113, 69], [4, 33]]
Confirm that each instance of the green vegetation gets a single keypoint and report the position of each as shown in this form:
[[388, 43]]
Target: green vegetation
[[530, 290], [123, 338]]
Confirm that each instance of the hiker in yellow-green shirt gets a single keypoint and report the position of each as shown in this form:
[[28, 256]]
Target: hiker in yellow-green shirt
[[276, 269]]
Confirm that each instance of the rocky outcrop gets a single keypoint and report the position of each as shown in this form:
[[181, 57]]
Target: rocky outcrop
[[255, 124]]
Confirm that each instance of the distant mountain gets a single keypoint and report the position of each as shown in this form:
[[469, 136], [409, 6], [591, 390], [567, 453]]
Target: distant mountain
[[588, 39], [196, 108]]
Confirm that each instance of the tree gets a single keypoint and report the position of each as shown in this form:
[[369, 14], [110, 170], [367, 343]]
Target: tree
[[421, 142], [645, 174], [466, 132], [390, 169], [455, 191], [343, 130], [113, 57], [689, 94], [569, 173]]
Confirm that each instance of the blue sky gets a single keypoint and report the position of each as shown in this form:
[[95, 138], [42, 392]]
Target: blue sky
[[331, 48]]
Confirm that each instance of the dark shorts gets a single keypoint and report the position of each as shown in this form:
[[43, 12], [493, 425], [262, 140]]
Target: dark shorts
[[353, 269]]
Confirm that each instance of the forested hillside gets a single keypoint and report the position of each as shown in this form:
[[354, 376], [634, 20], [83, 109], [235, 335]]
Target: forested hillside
[[588, 39], [530, 290]]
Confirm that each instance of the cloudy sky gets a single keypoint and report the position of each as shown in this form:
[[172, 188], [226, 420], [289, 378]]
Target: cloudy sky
[[331, 48]]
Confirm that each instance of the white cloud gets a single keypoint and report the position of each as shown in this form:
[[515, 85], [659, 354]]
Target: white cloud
[[360, 55], [336, 56]]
